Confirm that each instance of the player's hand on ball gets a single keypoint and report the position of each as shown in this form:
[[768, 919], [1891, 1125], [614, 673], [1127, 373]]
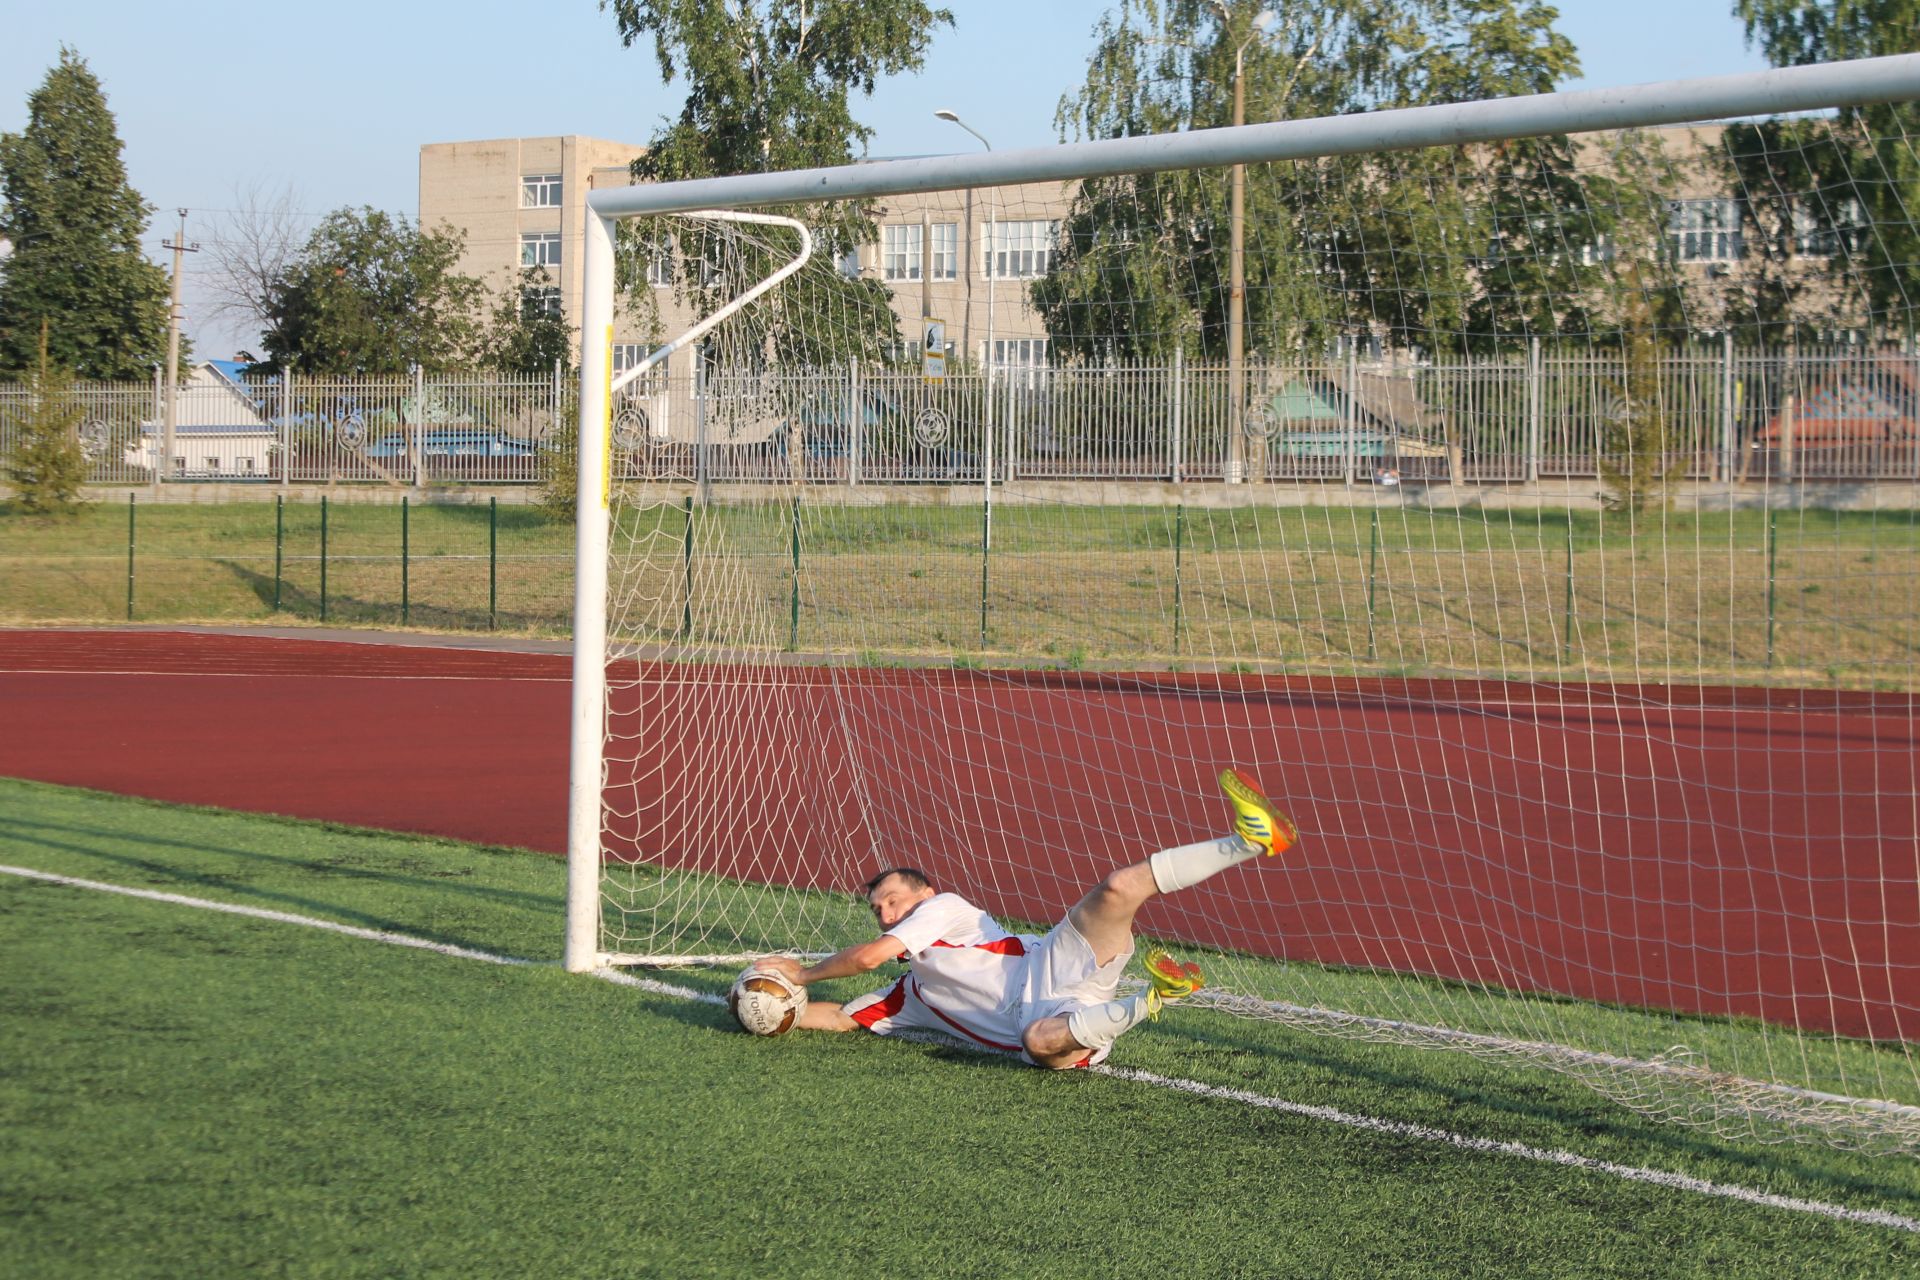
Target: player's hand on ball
[[786, 966]]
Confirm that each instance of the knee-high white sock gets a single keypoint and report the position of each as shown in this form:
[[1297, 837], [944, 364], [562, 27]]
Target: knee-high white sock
[[1191, 863], [1099, 1025]]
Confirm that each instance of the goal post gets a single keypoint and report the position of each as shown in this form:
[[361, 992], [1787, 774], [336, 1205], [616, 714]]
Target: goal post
[[1590, 777]]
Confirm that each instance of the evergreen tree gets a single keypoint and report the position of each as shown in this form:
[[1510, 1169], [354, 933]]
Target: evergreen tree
[[76, 227], [47, 466], [768, 83]]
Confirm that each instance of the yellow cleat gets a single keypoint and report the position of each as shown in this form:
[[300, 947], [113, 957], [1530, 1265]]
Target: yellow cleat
[[1168, 979], [1255, 819]]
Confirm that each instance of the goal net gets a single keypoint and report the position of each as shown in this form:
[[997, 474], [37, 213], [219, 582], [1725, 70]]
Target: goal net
[[1534, 515]]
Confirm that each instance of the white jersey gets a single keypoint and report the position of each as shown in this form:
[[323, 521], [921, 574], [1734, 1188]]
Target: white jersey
[[967, 970], [973, 979]]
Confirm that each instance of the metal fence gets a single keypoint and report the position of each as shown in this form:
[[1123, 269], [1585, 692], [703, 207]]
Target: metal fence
[[1734, 415]]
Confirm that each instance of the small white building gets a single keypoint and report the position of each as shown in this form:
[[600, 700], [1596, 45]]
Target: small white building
[[220, 430]]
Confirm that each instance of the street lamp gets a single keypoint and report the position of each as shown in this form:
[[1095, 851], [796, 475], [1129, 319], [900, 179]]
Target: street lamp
[[953, 117], [1237, 269]]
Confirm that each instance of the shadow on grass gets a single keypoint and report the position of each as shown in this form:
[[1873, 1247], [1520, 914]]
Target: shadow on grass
[[45, 835]]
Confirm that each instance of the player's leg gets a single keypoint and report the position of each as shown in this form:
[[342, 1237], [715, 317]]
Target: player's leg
[[1105, 915], [1068, 1039]]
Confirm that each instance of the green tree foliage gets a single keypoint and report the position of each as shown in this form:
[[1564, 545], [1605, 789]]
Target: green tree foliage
[[1474, 248], [76, 226], [47, 466], [372, 294], [522, 334], [1873, 155], [768, 88]]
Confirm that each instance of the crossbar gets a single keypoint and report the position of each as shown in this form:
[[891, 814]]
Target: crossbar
[[1861, 82]]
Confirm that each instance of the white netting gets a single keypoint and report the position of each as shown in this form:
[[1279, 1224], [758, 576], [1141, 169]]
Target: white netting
[[1566, 596]]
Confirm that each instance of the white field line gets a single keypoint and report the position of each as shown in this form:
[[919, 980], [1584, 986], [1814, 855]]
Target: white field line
[[1330, 1115]]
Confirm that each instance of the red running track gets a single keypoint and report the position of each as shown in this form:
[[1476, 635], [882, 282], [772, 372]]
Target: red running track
[[1709, 850]]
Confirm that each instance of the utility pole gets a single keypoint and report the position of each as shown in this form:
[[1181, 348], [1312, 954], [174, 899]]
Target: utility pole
[[179, 246]]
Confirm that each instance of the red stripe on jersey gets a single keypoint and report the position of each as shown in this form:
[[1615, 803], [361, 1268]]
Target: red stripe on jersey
[[1004, 947], [977, 1039], [883, 1008]]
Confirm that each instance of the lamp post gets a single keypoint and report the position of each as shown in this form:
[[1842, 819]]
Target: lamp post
[[1236, 268], [953, 117]]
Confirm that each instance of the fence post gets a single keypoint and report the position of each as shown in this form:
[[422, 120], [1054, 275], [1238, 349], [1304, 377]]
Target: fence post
[[493, 563], [686, 557], [1533, 411], [1179, 539], [406, 566], [793, 607], [159, 445], [1773, 550], [1726, 407], [129, 557], [286, 426], [279, 542], [418, 434], [986, 550], [1373, 560], [856, 422], [553, 417], [1353, 387], [1178, 442], [1567, 626], [323, 557]]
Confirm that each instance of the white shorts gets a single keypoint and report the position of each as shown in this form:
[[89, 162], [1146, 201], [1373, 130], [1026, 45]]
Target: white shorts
[[1058, 975]]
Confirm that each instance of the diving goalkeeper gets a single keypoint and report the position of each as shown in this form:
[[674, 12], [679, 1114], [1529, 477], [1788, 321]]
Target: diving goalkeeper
[[1053, 1000]]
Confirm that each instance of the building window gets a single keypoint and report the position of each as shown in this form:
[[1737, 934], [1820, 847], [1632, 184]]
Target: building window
[[180, 463], [900, 252], [1597, 253], [1705, 231], [946, 250], [850, 264], [540, 249], [659, 259], [246, 466], [1020, 250], [213, 466], [538, 300], [540, 191], [1019, 353], [1826, 231]]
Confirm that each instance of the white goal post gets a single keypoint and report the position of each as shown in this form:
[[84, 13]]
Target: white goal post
[[1554, 878]]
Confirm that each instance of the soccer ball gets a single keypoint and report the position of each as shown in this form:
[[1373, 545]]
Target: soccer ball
[[765, 1003]]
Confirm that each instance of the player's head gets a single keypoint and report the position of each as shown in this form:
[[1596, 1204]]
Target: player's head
[[894, 894]]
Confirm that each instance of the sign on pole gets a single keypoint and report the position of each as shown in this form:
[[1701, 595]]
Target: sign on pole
[[933, 350]]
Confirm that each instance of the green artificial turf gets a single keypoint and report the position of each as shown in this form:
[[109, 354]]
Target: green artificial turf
[[186, 1093]]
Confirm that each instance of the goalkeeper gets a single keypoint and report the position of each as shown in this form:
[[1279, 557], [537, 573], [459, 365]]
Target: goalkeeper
[[1054, 1000]]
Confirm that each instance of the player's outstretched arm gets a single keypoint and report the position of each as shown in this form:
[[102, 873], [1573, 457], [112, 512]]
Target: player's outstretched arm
[[862, 957]]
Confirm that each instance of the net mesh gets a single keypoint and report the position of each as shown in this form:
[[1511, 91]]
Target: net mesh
[[1548, 551]]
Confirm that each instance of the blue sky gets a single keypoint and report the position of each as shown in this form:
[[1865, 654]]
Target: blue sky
[[216, 96]]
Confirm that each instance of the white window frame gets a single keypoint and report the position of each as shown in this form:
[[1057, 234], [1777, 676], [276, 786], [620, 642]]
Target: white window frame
[[1019, 353], [946, 250], [540, 190], [539, 249], [1019, 250], [1709, 230], [901, 251], [659, 270], [246, 465]]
